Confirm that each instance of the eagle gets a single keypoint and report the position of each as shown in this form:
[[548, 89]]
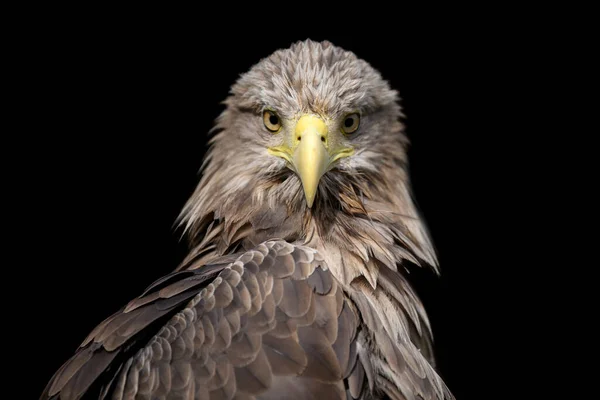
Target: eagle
[[300, 232]]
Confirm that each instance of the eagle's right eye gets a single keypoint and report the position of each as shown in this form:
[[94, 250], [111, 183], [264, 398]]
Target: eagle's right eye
[[272, 121]]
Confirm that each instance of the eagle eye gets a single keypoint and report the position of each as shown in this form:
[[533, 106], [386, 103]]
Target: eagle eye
[[351, 123], [272, 121]]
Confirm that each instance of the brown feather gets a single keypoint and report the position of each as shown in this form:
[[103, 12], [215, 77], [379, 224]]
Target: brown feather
[[275, 298]]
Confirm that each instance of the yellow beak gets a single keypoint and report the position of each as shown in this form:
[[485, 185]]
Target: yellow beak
[[310, 152], [310, 157]]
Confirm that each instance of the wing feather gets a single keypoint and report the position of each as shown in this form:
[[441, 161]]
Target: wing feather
[[222, 331], [270, 323]]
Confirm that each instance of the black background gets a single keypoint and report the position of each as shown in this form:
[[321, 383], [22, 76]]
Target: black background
[[121, 113]]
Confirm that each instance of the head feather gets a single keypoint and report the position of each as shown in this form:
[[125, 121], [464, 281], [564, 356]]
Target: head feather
[[363, 209]]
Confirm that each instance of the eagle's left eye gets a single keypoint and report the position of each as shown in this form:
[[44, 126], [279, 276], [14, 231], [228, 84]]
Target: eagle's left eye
[[272, 121], [351, 123]]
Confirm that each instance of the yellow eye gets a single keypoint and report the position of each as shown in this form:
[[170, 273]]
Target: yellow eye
[[272, 121], [351, 123]]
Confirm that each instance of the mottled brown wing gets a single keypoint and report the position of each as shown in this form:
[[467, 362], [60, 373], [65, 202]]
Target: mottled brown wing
[[271, 325]]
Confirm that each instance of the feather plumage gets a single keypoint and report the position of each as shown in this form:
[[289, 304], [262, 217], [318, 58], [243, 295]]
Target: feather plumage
[[276, 299]]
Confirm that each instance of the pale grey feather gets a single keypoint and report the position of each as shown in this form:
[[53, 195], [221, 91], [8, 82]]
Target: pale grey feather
[[276, 297]]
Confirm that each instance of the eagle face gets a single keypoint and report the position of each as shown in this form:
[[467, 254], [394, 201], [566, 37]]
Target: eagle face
[[308, 126], [310, 148]]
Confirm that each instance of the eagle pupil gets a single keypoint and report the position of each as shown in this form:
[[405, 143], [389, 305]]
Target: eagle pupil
[[349, 122], [273, 120]]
